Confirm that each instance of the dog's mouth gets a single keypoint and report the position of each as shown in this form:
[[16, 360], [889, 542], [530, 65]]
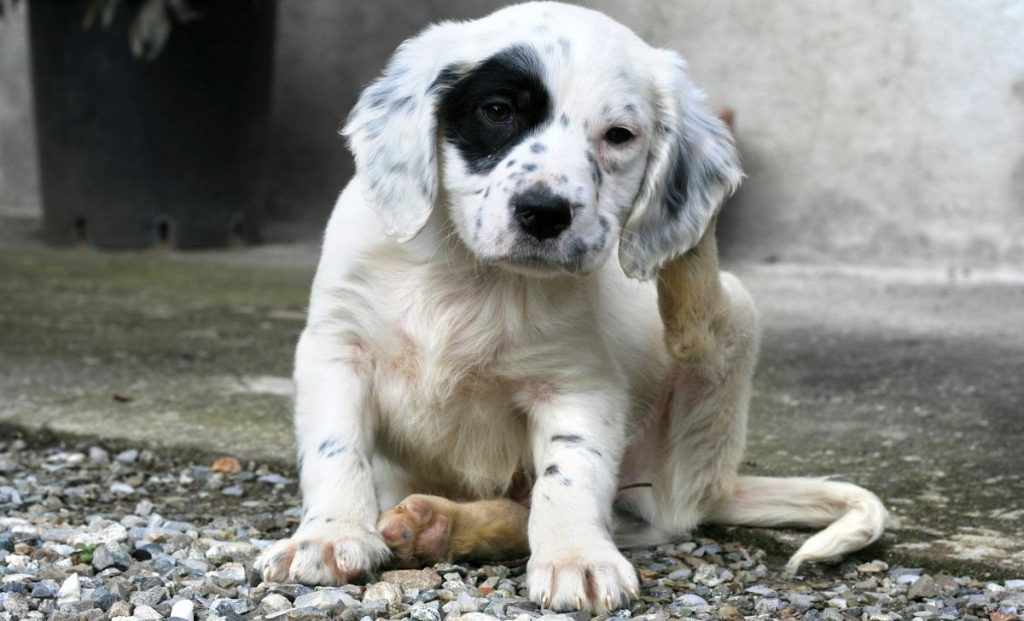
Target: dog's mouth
[[544, 259]]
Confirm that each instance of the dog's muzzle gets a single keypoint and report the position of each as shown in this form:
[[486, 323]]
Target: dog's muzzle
[[541, 213]]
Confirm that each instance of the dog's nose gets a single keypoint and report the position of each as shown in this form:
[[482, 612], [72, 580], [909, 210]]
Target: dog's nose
[[542, 213]]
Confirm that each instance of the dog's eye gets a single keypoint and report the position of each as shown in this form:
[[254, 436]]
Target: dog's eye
[[497, 112], [618, 135]]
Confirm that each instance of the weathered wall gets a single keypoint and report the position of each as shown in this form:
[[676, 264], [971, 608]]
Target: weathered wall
[[19, 183], [872, 131], [327, 51]]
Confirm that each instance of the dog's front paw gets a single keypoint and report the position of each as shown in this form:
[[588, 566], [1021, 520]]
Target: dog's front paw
[[326, 552], [594, 578]]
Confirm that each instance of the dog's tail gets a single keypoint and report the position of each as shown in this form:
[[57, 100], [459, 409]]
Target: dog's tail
[[852, 517]]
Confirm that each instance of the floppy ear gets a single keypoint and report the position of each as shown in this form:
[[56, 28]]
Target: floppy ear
[[392, 132], [692, 168]]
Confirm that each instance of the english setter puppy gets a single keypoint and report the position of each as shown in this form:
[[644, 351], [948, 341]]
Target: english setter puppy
[[474, 356]]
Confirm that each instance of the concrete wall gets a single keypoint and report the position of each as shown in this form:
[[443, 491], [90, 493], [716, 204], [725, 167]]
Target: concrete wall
[[327, 51], [19, 182], [872, 131]]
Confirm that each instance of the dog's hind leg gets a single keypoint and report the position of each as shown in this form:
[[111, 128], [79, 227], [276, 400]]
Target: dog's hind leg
[[699, 426], [425, 529], [711, 332]]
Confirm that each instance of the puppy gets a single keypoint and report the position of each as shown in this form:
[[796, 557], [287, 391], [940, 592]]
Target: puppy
[[473, 347]]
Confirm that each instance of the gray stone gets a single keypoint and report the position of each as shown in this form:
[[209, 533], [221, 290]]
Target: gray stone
[[149, 597], [330, 598], [47, 589], [762, 590], [129, 457], [70, 590], [707, 575], [430, 611], [229, 575], [412, 578], [146, 613], [183, 609], [923, 587], [385, 591], [691, 600], [111, 555], [274, 602], [767, 605]]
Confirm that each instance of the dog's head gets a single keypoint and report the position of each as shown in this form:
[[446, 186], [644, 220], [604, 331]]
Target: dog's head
[[550, 133]]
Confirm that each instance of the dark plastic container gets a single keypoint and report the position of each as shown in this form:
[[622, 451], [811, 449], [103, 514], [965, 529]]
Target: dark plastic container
[[170, 152]]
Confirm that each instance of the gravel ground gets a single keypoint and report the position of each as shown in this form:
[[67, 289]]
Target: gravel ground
[[86, 534]]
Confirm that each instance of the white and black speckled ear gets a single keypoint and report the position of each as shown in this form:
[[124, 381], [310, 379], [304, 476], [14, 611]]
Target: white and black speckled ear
[[393, 133], [693, 167]]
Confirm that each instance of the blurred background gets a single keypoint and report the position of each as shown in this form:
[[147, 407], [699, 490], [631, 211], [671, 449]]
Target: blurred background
[[872, 132], [881, 227]]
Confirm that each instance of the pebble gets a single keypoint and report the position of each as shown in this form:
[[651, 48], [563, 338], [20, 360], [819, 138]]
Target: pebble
[[762, 590], [120, 609], [70, 590], [128, 457], [406, 579], [230, 575], [383, 591], [274, 602], [333, 598], [81, 548], [923, 587], [146, 613], [691, 600]]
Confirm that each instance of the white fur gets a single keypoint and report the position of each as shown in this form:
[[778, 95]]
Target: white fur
[[431, 363]]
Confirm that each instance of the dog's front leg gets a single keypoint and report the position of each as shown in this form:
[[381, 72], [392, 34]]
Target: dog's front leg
[[577, 442], [337, 539]]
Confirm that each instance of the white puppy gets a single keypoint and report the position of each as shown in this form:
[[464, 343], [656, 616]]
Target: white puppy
[[470, 337]]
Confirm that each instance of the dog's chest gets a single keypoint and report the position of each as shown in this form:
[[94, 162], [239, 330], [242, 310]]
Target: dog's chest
[[444, 384]]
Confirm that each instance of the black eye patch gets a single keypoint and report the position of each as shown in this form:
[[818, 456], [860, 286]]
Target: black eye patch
[[472, 109]]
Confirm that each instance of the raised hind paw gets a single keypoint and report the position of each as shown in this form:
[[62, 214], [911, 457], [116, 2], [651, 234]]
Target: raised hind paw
[[418, 530], [327, 553]]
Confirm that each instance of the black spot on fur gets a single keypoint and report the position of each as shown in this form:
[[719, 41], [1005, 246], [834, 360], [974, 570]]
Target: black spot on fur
[[564, 120], [569, 438], [561, 179], [629, 109], [554, 471], [510, 78], [511, 163], [595, 170], [565, 45], [676, 189], [529, 167], [575, 255], [331, 447], [537, 147], [379, 94], [403, 104]]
